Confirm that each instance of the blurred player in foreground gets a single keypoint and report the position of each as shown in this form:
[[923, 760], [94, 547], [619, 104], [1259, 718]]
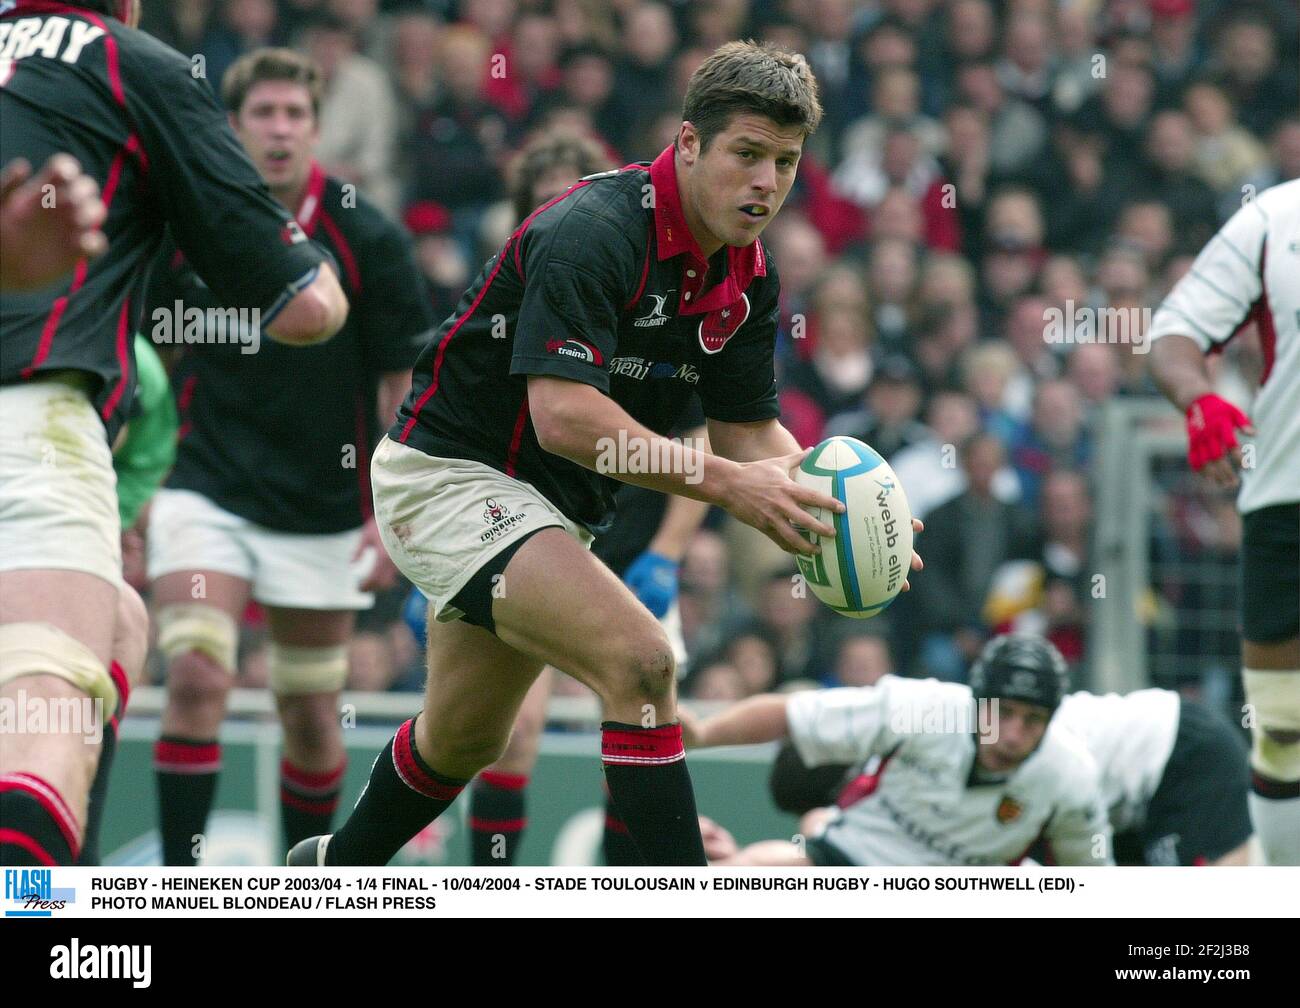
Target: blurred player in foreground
[[270, 494], [1248, 273], [79, 79], [503, 463], [965, 775]]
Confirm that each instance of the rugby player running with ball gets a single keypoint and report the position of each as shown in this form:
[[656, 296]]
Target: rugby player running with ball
[[486, 488]]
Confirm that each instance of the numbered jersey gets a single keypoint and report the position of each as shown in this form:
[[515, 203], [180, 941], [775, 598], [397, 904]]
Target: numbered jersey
[[927, 807], [152, 135], [1249, 272]]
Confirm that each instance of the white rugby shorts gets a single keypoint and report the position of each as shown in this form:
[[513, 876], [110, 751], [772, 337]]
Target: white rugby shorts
[[58, 491], [188, 532]]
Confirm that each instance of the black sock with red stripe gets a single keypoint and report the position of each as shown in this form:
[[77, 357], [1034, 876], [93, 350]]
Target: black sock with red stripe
[[36, 825], [187, 772], [99, 786], [403, 796], [619, 850], [496, 817], [645, 769], [308, 801]]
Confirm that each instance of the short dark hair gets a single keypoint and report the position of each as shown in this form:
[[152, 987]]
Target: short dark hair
[[755, 78], [271, 65], [546, 153]]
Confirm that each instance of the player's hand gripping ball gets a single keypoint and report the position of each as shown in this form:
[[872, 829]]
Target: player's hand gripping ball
[[862, 569]]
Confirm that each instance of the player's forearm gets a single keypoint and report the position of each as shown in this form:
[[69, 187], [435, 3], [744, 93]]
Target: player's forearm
[[578, 422], [682, 517], [758, 719], [314, 314], [1179, 370], [749, 442]]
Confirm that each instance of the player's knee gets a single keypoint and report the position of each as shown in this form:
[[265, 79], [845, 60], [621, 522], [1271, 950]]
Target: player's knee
[[312, 726], [528, 725], [131, 637], [643, 668], [62, 665], [195, 680], [471, 754]]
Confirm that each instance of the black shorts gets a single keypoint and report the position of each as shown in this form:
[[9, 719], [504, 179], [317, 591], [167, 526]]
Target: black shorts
[[475, 599], [1270, 574], [1198, 812], [826, 855]]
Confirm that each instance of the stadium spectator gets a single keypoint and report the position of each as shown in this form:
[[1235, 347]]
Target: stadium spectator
[[1250, 73], [836, 375], [862, 659], [1017, 130], [891, 282], [1226, 153], [358, 128], [457, 142], [1171, 147], [967, 539], [888, 417], [928, 468], [1055, 437]]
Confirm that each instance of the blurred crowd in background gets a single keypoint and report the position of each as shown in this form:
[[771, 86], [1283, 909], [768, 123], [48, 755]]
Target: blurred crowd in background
[[980, 165]]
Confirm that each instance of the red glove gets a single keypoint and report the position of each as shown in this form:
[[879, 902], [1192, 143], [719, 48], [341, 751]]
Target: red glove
[[1212, 429]]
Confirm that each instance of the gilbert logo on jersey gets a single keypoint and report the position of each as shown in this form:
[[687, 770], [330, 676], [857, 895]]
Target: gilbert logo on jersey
[[719, 326]]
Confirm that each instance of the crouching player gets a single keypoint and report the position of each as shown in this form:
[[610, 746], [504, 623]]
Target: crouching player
[[1174, 778], [967, 775]]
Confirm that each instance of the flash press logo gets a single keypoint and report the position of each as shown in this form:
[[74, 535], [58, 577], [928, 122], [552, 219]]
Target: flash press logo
[[30, 892], [75, 961]]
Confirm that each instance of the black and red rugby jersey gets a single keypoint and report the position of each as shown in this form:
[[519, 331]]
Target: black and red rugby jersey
[[131, 111], [603, 285], [282, 437]]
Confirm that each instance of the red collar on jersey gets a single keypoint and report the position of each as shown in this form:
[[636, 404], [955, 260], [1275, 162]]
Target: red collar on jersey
[[308, 212], [675, 238]]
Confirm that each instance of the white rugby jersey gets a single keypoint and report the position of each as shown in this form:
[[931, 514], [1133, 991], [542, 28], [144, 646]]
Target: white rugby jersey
[[1131, 738], [1249, 271], [924, 810]]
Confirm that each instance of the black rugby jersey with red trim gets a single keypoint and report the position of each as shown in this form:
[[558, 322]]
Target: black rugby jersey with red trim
[[282, 436], [130, 110], [604, 285]]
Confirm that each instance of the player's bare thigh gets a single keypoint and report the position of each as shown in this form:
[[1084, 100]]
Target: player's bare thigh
[[222, 591], [565, 608], [82, 605]]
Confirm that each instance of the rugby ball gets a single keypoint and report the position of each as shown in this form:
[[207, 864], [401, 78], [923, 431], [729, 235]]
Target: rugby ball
[[862, 569]]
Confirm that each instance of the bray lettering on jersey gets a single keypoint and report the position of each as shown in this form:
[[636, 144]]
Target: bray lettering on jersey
[[159, 145]]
